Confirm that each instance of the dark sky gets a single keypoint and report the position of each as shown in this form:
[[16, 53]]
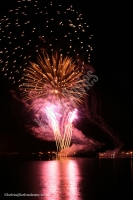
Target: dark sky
[[111, 26]]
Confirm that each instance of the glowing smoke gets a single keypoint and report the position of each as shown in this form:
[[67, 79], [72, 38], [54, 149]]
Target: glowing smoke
[[59, 121]]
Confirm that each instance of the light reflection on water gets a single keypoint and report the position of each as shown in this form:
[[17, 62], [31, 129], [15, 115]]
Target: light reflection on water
[[60, 180], [69, 179]]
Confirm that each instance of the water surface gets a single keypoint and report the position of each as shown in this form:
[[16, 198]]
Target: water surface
[[69, 179]]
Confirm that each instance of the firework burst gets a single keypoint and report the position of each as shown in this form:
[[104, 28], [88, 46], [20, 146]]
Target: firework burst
[[53, 78]]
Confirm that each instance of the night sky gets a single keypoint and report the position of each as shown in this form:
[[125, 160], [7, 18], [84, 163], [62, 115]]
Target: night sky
[[111, 58]]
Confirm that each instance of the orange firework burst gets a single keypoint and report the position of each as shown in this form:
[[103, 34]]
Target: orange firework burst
[[54, 78]]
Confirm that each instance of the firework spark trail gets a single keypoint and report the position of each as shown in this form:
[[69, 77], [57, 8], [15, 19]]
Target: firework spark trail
[[68, 127], [55, 126], [62, 139]]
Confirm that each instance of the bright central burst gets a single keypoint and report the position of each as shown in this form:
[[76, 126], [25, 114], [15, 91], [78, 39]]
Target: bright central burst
[[56, 80]]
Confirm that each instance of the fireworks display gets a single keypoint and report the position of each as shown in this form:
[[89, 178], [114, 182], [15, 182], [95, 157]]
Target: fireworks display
[[44, 50]]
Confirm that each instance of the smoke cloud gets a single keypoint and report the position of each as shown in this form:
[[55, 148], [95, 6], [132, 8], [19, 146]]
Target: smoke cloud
[[39, 127]]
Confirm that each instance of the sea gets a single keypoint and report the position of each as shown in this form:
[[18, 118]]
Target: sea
[[67, 179]]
